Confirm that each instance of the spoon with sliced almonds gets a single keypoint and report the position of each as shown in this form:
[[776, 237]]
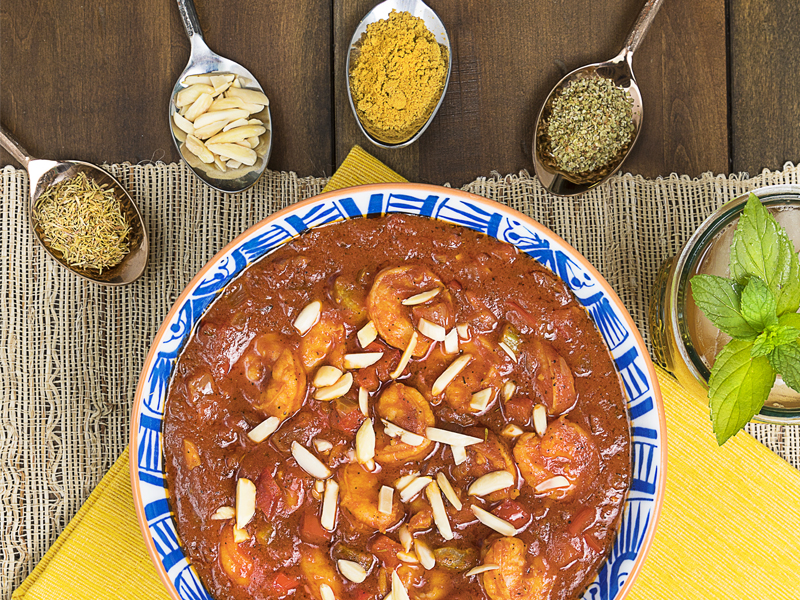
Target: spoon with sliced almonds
[[219, 115]]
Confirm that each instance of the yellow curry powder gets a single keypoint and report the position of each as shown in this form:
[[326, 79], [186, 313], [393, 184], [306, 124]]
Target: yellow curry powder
[[397, 76]]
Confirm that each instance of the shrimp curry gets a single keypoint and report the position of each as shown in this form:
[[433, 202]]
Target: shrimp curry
[[396, 407]]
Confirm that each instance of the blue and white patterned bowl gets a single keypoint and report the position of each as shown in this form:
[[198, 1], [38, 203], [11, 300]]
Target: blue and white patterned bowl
[[648, 428]]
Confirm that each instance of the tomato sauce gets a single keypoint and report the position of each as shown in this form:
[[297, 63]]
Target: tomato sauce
[[553, 419]]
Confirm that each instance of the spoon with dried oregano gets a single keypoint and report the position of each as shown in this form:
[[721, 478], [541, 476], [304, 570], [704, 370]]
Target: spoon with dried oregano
[[591, 119], [83, 217]]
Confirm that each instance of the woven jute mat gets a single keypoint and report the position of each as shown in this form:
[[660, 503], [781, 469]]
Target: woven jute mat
[[71, 351]]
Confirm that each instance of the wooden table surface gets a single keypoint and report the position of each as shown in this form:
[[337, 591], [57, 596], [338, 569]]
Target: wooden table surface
[[91, 80]]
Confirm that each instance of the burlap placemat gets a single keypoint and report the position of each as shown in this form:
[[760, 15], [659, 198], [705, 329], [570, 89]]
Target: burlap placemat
[[71, 351]]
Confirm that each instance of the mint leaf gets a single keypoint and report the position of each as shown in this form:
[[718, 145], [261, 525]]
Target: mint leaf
[[759, 307], [719, 300], [762, 249], [790, 320], [786, 361], [738, 388], [772, 337]]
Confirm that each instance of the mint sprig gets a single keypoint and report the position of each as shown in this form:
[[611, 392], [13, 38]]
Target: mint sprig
[[757, 307]]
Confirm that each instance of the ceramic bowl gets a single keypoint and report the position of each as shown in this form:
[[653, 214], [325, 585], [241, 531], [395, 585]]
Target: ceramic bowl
[[630, 355]]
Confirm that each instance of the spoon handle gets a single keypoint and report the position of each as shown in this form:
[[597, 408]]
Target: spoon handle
[[191, 23], [643, 21], [14, 149]]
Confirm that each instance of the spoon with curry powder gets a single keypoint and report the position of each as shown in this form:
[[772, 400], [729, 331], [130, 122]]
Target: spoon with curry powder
[[619, 72], [383, 11], [45, 174]]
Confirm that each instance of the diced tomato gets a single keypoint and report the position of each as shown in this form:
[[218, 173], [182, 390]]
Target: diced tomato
[[513, 512], [368, 379], [519, 410], [592, 542], [346, 417], [311, 530], [386, 549], [268, 494], [582, 521], [294, 489], [283, 584]]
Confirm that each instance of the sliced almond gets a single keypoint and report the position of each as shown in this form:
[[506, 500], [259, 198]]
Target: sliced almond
[[224, 513], [540, 419], [431, 330], [451, 342], [363, 401], [401, 483], [450, 373], [425, 555], [509, 387], [308, 317], [406, 357], [491, 482], [245, 156], [337, 390], [463, 331], [407, 437], [319, 486], [249, 96], [188, 96], [192, 79], [399, 591], [385, 497], [321, 445], [422, 298], [447, 490], [240, 535], [361, 360], [234, 164], [367, 334], [326, 592], [459, 454], [214, 116], [245, 502], [512, 431], [407, 557], [326, 375], [220, 163], [198, 148], [480, 400], [220, 83], [253, 141], [451, 438], [351, 570], [198, 107], [501, 526], [481, 569], [508, 351], [329, 503], [365, 442], [228, 103], [554, 483], [439, 512], [308, 462], [183, 124], [238, 134], [203, 133], [404, 535], [264, 429], [414, 488]]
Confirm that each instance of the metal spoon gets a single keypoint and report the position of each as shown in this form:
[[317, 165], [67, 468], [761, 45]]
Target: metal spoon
[[44, 173], [620, 70], [434, 25], [202, 60]]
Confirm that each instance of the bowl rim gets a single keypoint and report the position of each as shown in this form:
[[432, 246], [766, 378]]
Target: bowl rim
[[660, 487]]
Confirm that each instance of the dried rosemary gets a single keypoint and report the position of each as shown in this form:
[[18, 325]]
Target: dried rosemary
[[590, 124], [84, 222]]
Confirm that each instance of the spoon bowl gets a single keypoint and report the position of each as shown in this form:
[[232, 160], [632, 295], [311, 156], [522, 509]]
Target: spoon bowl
[[434, 24], [44, 173], [620, 71], [201, 61]]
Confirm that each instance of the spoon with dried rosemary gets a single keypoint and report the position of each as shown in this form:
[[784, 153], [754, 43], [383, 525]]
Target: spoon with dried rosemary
[[83, 217], [591, 119]]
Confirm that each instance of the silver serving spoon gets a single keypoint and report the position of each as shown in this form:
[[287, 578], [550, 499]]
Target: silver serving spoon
[[201, 61], [434, 25], [44, 173], [620, 70]]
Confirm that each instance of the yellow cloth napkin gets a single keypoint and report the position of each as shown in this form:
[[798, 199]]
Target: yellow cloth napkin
[[728, 529]]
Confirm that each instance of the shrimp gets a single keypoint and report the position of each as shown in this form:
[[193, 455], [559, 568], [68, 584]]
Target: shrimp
[[393, 320], [425, 585], [405, 407], [565, 449], [235, 562], [273, 366], [486, 370], [318, 569], [553, 381], [516, 578], [326, 337], [358, 495], [488, 456]]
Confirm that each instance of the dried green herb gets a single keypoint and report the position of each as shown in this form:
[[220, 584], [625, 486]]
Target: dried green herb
[[590, 124], [84, 222]]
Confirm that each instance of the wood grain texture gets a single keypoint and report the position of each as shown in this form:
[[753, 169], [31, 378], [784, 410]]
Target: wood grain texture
[[91, 80], [507, 56], [765, 88]]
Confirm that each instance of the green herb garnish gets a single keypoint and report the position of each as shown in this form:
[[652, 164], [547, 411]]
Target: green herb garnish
[[757, 307]]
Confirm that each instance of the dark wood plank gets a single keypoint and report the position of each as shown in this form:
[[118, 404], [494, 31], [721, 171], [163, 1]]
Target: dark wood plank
[[92, 80], [765, 88], [506, 57]]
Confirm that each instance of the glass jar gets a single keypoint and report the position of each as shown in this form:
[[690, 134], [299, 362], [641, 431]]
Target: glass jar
[[684, 340]]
